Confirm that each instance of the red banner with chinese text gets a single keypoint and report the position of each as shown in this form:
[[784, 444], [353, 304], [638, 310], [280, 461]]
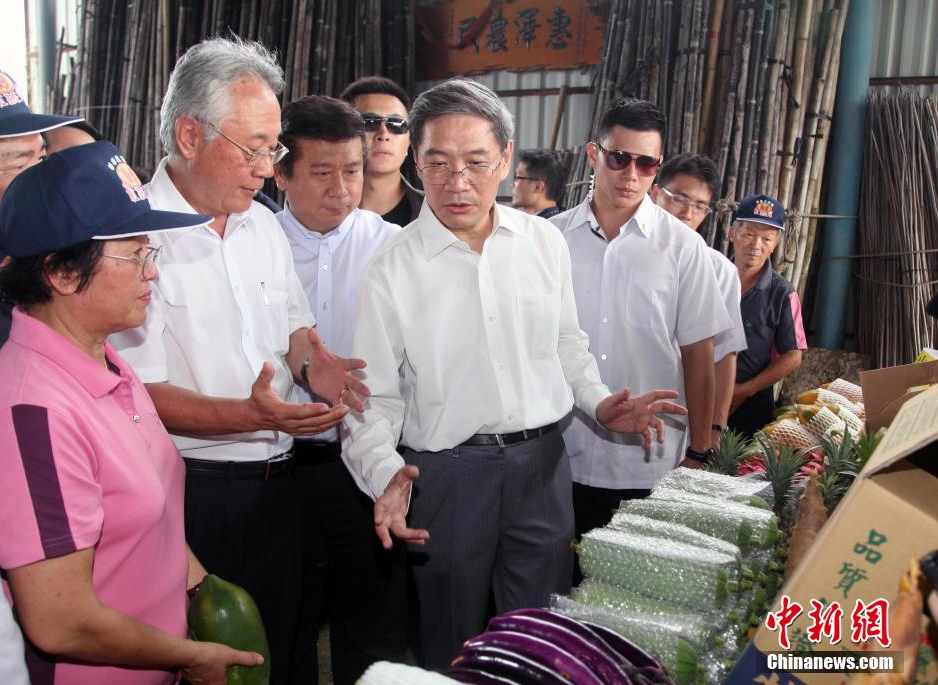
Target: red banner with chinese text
[[520, 35]]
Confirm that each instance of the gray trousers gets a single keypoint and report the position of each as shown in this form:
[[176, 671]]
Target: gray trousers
[[500, 520]]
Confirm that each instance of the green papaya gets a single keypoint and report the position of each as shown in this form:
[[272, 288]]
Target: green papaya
[[224, 612]]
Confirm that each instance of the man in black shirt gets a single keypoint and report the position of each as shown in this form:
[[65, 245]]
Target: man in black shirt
[[771, 314], [538, 183], [384, 106]]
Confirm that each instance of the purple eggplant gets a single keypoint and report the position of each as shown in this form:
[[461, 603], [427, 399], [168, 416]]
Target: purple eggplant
[[637, 656], [599, 659], [507, 664], [539, 650], [657, 675], [568, 622], [472, 676]]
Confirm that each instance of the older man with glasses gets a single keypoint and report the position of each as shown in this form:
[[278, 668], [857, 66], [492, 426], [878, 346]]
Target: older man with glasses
[[648, 298], [229, 331], [474, 352]]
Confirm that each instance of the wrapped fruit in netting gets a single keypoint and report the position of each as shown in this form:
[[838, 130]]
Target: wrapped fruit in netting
[[643, 525], [668, 641], [824, 396], [702, 482], [763, 523], [826, 419], [845, 388], [694, 577], [790, 431]]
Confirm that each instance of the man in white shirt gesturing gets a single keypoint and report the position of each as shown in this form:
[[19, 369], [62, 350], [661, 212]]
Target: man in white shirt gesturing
[[344, 567], [468, 323]]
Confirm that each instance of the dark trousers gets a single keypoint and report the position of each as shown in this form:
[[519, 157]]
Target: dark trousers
[[346, 572], [593, 508], [245, 531], [500, 521], [753, 414]]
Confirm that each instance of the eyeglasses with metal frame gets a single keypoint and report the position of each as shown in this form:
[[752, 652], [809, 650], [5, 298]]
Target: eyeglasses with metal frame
[[683, 201], [474, 174], [619, 160], [254, 157], [395, 123], [147, 262]]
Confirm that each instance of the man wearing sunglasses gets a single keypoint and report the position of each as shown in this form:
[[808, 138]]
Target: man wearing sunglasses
[[686, 187], [648, 298], [345, 570], [384, 107], [229, 331], [538, 183], [474, 352]]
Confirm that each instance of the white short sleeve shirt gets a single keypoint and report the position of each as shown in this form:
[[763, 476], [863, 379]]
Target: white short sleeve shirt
[[640, 297], [734, 338], [221, 307]]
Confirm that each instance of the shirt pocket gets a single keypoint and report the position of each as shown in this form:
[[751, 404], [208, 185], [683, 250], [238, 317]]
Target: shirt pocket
[[649, 302], [276, 319], [540, 325]]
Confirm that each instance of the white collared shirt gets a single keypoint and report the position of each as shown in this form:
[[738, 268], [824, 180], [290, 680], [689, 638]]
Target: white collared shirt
[[734, 338], [459, 343], [330, 267], [221, 307], [640, 297]]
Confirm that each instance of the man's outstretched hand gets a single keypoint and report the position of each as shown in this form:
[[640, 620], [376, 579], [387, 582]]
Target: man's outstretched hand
[[621, 413], [391, 510], [330, 376]]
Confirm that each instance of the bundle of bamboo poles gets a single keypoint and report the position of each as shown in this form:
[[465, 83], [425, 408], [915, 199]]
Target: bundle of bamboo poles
[[897, 260], [751, 83], [126, 52]]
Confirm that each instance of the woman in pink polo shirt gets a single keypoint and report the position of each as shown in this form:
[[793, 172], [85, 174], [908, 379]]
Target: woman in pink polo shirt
[[91, 516]]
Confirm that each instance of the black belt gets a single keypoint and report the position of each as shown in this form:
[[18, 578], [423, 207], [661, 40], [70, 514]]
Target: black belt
[[310, 452], [275, 467], [509, 439]]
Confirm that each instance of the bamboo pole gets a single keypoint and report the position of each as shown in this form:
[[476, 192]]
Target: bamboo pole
[[713, 45]]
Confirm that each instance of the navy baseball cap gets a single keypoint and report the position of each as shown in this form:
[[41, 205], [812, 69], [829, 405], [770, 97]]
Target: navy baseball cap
[[15, 117], [86, 192], [762, 209]]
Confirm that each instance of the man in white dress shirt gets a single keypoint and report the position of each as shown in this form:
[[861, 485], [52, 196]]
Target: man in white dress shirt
[[344, 566], [685, 187], [648, 298], [228, 331], [474, 352]]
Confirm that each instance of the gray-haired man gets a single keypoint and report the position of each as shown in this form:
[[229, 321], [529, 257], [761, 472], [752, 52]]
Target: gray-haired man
[[469, 326], [228, 331]]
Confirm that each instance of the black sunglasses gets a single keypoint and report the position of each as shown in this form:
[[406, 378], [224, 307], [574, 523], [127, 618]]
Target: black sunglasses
[[395, 123], [619, 160]]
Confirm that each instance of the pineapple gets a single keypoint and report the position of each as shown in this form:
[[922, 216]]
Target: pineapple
[[841, 467], [782, 465], [733, 446]]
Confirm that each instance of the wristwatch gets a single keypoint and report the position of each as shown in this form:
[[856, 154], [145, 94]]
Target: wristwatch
[[718, 428], [702, 457], [304, 372]]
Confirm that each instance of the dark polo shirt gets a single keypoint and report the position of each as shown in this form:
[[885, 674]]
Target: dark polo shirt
[[771, 312]]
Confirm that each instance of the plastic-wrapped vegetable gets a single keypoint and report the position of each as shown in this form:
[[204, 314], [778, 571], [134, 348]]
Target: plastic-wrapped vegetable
[[701, 517], [643, 525], [763, 523], [664, 639], [692, 576], [387, 673], [702, 482]]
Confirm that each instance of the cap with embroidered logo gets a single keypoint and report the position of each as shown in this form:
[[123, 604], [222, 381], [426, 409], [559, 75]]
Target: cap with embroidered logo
[[15, 117], [761, 209], [86, 192]]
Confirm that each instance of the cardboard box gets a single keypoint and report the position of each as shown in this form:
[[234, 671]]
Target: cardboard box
[[886, 390], [888, 517]]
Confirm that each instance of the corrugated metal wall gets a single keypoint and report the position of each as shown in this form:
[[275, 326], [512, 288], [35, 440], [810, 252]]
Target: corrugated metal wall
[[534, 114], [907, 40]]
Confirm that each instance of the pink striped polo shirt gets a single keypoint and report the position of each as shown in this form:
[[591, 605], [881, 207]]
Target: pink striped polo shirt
[[86, 462]]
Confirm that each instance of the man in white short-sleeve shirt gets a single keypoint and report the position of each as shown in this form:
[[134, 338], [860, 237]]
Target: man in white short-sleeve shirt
[[228, 331], [685, 187], [648, 298], [469, 325]]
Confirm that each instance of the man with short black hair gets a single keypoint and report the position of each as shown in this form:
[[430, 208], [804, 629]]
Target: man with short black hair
[[648, 298], [474, 352], [685, 187], [384, 107], [538, 183], [771, 312], [344, 567]]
